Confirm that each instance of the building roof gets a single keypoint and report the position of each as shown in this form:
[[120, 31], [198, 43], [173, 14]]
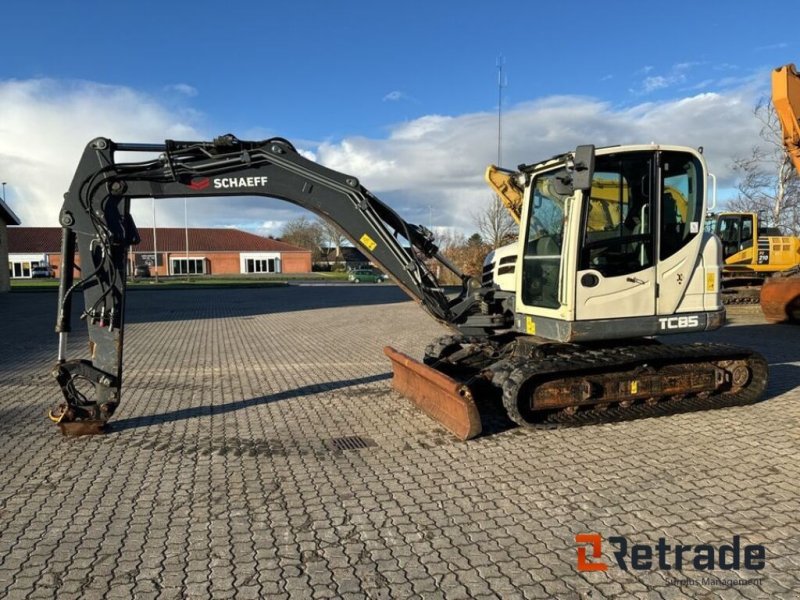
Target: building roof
[[169, 239], [7, 215]]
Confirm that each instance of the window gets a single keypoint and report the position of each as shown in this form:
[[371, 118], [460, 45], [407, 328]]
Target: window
[[20, 269], [681, 190], [261, 265], [188, 266], [542, 259], [618, 236], [735, 233]]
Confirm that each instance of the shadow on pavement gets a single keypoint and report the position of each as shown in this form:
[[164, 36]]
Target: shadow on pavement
[[219, 409], [181, 305]]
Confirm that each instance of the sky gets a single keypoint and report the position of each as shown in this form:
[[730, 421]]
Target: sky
[[402, 95]]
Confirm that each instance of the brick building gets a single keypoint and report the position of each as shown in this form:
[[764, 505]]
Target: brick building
[[7, 217], [211, 252]]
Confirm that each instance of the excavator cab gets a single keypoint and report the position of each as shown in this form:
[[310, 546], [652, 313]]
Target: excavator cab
[[736, 233], [614, 259]]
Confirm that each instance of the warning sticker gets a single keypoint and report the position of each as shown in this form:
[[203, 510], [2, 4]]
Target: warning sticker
[[368, 242], [530, 326]]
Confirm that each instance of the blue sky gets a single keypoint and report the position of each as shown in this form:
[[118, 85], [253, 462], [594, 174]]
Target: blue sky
[[403, 95]]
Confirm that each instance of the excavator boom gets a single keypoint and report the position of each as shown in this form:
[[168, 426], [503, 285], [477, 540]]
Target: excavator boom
[[780, 295], [786, 99], [96, 218]]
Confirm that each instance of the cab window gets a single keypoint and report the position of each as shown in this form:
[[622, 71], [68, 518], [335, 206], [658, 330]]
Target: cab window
[[681, 201], [541, 268], [618, 237]]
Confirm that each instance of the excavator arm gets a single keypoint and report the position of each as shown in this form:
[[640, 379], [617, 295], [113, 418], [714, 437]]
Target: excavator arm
[[786, 99], [780, 294], [96, 218]]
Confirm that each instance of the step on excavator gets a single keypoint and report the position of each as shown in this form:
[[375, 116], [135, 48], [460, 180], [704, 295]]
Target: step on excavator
[[560, 329], [780, 294]]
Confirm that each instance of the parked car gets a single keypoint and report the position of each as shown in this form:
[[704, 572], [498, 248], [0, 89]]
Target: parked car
[[42, 272], [141, 271], [366, 276]]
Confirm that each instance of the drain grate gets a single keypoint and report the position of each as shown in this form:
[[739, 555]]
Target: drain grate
[[352, 442]]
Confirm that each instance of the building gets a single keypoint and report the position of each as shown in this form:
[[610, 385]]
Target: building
[[348, 258], [7, 217], [210, 252]]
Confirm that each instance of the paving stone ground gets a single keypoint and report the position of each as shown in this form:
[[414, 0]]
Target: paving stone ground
[[260, 452]]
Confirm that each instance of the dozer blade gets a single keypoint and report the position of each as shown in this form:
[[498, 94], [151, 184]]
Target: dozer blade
[[780, 298], [440, 397]]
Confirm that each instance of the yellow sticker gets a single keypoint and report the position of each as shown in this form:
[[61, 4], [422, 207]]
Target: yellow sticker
[[368, 242], [530, 326], [634, 387], [711, 282]]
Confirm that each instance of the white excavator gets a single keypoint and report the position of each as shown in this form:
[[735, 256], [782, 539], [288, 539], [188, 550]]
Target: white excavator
[[612, 252]]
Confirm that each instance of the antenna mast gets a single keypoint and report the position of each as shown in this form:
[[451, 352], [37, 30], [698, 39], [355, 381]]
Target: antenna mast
[[502, 82]]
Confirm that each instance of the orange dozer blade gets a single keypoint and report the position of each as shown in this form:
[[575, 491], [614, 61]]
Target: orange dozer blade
[[780, 299], [440, 397]]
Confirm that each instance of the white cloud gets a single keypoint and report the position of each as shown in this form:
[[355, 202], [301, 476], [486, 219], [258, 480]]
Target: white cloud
[[676, 75], [394, 96], [433, 164], [398, 96], [183, 88], [656, 83], [45, 124], [439, 161]]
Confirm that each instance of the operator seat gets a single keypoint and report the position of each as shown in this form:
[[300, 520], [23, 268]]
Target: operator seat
[[672, 226]]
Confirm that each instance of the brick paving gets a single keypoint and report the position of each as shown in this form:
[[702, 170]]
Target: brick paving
[[260, 452]]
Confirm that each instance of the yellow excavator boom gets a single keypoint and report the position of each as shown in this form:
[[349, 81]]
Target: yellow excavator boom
[[780, 296], [786, 99], [501, 181]]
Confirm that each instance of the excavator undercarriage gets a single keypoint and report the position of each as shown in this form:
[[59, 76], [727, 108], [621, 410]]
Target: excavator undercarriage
[[542, 384]]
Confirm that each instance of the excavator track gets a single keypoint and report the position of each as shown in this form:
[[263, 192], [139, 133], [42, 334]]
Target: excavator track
[[548, 385], [619, 383], [736, 297]]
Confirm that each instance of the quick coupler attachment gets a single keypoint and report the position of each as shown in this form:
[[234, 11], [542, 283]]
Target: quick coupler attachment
[[80, 415]]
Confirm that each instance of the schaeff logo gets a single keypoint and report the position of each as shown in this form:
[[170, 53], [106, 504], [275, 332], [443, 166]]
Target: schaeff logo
[[219, 183], [664, 556]]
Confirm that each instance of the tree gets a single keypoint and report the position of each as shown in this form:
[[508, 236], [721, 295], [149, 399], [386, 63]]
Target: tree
[[466, 254], [305, 233], [333, 238], [768, 183], [495, 224]]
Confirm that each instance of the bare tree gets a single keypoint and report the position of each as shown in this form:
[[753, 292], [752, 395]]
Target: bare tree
[[768, 183], [305, 233], [333, 238], [495, 224]]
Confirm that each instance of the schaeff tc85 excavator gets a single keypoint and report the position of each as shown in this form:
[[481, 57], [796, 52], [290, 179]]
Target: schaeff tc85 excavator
[[560, 328]]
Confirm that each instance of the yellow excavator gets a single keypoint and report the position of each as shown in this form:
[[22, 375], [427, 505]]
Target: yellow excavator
[[780, 294], [752, 253]]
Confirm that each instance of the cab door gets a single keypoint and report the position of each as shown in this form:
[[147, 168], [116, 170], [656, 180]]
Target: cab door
[[681, 188], [616, 274]]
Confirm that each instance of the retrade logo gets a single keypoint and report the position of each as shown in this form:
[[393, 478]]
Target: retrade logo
[[200, 183], [597, 552], [669, 556]]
